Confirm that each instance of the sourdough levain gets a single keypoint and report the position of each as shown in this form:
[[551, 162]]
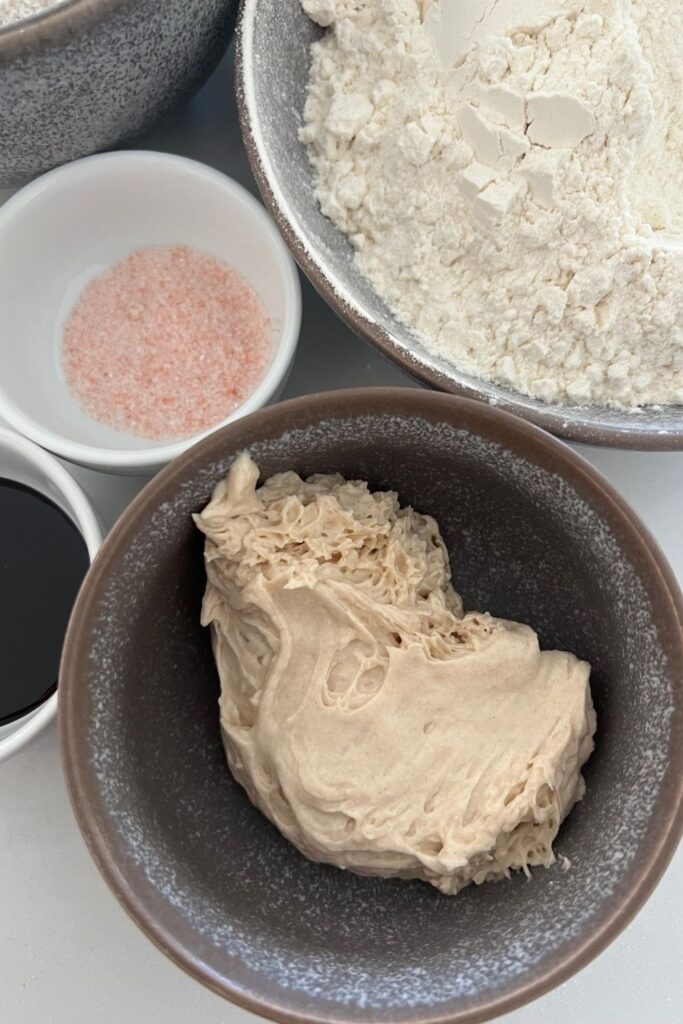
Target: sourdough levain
[[377, 726]]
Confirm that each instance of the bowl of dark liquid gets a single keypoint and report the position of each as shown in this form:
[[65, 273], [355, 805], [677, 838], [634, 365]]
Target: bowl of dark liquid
[[49, 534]]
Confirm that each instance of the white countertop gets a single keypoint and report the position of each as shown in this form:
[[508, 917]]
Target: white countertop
[[69, 954]]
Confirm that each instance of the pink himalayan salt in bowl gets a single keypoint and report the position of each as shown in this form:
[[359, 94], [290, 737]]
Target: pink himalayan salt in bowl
[[166, 343], [74, 227]]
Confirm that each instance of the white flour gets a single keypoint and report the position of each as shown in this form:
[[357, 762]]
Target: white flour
[[17, 10], [510, 174]]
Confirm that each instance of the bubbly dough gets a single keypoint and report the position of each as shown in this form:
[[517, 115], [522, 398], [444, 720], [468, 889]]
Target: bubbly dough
[[377, 726]]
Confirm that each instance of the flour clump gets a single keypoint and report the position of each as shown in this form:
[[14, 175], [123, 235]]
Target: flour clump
[[510, 176], [379, 727]]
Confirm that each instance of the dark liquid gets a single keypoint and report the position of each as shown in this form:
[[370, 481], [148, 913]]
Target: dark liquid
[[43, 560]]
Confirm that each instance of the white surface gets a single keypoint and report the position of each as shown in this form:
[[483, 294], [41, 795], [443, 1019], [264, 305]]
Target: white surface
[[70, 225], [69, 954], [26, 463]]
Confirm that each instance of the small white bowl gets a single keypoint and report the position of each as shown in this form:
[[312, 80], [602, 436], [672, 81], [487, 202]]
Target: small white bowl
[[70, 225], [27, 464]]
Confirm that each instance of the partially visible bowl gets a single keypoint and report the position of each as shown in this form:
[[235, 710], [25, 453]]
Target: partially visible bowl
[[76, 221], [534, 534], [87, 75], [25, 463], [273, 41]]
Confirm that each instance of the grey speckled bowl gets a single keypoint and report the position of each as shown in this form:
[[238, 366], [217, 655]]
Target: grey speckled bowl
[[273, 43], [534, 534], [87, 75]]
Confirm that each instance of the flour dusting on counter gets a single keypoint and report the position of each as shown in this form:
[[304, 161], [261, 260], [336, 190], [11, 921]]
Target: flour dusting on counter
[[510, 177]]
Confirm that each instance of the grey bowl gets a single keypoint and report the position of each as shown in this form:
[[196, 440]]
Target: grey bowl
[[88, 75], [534, 534], [273, 42]]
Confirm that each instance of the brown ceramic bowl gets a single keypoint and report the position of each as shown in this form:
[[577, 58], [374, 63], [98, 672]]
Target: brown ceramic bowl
[[273, 41], [535, 534]]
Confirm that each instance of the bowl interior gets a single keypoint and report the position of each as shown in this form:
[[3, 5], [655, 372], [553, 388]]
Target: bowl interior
[[274, 39], [74, 223], [531, 537]]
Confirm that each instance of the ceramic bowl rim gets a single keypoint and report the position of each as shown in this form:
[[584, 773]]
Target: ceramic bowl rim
[[141, 459], [634, 536], [589, 430], [50, 26], [87, 524]]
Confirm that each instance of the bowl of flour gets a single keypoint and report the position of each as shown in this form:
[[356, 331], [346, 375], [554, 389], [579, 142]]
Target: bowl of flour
[[489, 193], [80, 76]]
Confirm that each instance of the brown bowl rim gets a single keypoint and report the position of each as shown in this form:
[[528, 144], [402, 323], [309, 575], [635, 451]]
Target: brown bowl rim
[[503, 428], [606, 435]]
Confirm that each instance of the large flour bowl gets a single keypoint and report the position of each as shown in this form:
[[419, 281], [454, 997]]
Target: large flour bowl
[[274, 37]]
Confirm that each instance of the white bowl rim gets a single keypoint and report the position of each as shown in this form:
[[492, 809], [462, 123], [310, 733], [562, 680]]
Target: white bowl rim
[[87, 523], [150, 458]]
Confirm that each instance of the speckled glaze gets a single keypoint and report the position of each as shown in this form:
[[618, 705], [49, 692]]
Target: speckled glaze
[[89, 74], [534, 534], [273, 42]]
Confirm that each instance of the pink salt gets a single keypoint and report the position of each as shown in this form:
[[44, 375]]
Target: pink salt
[[166, 343]]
